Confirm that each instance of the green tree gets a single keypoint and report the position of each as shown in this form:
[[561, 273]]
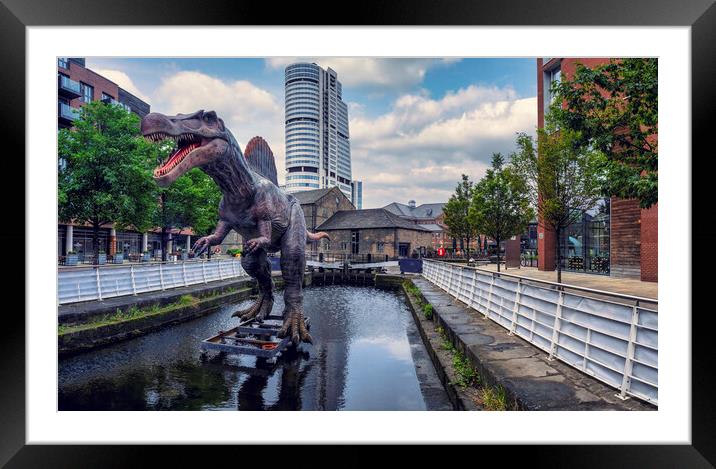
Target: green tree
[[500, 205], [456, 212], [614, 109], [569, 177], [105, 170], [191, 201]]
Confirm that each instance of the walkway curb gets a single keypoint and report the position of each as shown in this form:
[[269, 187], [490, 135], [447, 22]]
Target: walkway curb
[[459, 399]]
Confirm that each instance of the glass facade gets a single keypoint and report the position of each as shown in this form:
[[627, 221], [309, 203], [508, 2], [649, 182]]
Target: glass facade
[[317, 136], [584, 245]]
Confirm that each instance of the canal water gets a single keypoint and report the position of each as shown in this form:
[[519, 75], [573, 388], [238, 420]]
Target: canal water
[[366, 355]]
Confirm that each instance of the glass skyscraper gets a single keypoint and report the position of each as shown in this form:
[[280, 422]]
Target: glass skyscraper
[[318, 152]]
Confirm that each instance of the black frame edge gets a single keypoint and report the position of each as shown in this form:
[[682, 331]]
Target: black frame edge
[[700, 14]]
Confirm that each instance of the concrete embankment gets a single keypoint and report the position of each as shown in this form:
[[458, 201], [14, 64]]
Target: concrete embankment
[[506, 362], [88, 325]]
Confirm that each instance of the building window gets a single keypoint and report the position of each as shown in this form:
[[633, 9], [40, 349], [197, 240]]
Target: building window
[[584, 244], [550, 77], [87, 92], [344, 246], [355, 241], [380, 247], [62, 62]]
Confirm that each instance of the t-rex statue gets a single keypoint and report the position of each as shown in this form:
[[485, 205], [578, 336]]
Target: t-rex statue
[[268, 219]]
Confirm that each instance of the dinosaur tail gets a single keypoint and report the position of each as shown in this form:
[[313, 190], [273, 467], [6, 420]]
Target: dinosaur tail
[[317, 236]]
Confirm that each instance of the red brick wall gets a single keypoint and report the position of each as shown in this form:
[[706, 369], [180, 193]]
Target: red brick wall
[[650, 244], [625, 238], [85, 75], [634, 232]]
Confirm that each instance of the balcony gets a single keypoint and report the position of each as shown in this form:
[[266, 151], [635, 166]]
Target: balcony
[[67, 87], [110, 100], [66, 114]]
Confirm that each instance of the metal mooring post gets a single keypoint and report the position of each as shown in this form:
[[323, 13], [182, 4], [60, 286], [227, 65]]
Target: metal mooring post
[[99, 284], [556, 326], [131, 274], [513, 326], [629, 360]]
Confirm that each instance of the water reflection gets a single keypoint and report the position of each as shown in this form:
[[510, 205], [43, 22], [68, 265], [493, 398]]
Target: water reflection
[[360, 360]]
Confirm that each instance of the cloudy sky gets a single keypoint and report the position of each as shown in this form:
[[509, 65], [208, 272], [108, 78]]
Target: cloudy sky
[[415, 124]]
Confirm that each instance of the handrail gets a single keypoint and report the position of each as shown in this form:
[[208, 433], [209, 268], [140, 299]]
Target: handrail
[[617, 343], [110, 265], [623, 296]]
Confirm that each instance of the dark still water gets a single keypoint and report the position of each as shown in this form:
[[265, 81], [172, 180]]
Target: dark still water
[[364, 357]]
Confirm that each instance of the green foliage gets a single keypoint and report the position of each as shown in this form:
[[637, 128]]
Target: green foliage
[[428, 311], [105, 169], [131, 313], [186, 300], [500, 202], [456, 210], [464, 371], [569, 177], [494, 398], [614, 109], [191, 201]]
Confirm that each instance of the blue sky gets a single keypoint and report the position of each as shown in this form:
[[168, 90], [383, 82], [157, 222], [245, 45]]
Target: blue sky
[[416, 124]]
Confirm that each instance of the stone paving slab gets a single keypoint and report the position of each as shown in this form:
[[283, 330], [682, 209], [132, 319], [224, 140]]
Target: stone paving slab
[[530, 379]]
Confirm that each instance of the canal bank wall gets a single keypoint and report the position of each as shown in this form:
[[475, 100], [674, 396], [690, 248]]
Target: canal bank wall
[[89, 325], [529, 379]]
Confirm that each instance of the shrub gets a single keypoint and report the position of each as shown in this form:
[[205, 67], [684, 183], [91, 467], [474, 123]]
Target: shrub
[[428, 311]]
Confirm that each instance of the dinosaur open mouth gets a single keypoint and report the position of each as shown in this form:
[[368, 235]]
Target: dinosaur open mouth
[[185, 144]]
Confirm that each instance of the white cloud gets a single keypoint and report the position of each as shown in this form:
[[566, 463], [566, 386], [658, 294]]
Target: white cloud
[[397, 73], [424, 145], [248, 110], [123, 80]]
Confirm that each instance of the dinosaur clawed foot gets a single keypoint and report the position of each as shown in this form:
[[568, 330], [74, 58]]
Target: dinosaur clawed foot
[[258, 310], [294, 326]]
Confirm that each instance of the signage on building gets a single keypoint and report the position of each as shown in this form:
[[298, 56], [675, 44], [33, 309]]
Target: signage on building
[[441, 252]]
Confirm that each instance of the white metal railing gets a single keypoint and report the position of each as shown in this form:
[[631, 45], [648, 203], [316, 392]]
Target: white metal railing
[[602, 335], [76, 284]]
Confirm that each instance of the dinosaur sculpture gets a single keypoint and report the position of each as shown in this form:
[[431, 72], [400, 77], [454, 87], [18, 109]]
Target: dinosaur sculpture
[[268, 219]]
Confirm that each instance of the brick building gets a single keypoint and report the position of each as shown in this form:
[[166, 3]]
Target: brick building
[[76, 86], [375, 231], [617, 237]]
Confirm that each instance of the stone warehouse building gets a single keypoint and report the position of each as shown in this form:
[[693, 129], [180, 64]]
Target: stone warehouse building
[[378, 232], [319, 206]]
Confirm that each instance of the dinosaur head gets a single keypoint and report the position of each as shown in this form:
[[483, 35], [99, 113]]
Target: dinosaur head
[[200, 138]]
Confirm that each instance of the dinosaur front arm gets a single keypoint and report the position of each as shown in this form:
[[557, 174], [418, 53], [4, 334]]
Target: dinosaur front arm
[[264, 238], [202, 244]]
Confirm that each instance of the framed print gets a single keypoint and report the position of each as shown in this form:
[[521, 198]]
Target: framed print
[[451, 212]]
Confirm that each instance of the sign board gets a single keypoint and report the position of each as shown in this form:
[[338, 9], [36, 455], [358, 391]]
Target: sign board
[[441, 252]]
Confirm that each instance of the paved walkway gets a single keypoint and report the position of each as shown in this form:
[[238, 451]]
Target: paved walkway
[[625, 286], [525, 372]]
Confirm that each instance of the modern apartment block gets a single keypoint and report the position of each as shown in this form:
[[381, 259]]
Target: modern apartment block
[[318, 153], [616, 237], [76, 86]]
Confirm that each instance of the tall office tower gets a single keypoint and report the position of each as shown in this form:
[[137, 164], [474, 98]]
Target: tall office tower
[[357, 194], [318, 153]]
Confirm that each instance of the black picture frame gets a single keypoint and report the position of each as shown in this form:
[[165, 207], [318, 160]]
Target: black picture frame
[[700, 15]]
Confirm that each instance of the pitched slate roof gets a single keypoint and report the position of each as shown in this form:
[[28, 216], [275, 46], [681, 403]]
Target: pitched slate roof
[[421, 211], [311, 197], [367, 218]]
